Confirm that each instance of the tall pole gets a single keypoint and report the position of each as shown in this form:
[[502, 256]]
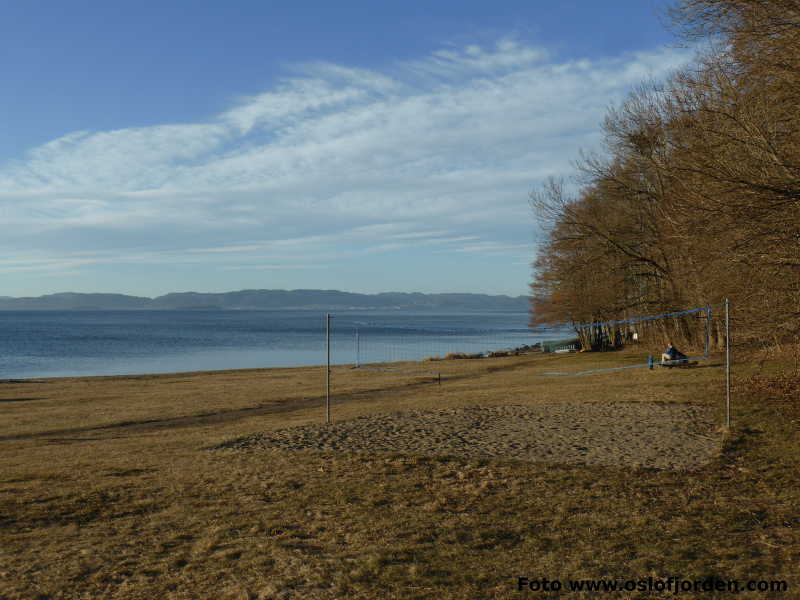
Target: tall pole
[[727, 364], [328, 368]]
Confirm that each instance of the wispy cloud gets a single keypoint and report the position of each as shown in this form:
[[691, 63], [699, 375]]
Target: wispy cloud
[[333, 161], [271, 267]]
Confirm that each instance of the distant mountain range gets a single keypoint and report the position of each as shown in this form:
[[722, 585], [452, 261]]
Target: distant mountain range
[[269, 299]]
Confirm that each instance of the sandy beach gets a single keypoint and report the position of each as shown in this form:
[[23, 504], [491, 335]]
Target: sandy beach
[[623, 434]]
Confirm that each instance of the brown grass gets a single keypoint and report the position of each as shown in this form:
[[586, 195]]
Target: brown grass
[[108, 488]]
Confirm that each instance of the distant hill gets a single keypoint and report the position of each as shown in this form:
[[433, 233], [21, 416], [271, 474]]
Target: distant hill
[[71, 301], [269, 299]]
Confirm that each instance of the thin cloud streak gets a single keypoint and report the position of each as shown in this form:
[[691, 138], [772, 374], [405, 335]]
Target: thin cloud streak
[[272, 267]]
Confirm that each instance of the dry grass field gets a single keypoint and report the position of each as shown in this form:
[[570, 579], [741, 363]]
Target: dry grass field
[[134, 486]]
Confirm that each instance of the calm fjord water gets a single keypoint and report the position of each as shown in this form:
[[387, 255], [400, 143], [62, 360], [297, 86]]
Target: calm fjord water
[[73, 343]]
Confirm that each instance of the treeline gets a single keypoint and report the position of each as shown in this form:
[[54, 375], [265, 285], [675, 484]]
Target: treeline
[[695, 196]]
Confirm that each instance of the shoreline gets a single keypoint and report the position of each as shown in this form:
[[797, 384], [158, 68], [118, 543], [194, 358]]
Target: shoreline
[[425, 362]]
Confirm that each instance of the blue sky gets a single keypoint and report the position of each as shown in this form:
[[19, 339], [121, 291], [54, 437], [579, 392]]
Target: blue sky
[[150, 147]]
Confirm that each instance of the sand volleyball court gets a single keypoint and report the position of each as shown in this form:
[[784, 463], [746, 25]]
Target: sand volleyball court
[[658, 435]]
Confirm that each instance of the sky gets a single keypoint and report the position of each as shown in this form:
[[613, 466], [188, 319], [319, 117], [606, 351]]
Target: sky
[[152, 147]]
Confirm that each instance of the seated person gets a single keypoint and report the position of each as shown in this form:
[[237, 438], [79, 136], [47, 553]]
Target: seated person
[[672, 354]]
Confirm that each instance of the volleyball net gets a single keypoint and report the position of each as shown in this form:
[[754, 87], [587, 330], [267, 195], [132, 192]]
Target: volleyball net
[[376, 344]]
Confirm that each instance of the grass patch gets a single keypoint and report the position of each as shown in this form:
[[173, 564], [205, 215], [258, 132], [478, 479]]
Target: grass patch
[[107, 488]]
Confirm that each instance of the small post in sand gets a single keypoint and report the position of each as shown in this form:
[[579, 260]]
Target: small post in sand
[[358, 350], [328, 368], [727, 364]]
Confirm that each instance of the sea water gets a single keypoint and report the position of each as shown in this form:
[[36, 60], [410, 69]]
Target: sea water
[[78, 343]]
